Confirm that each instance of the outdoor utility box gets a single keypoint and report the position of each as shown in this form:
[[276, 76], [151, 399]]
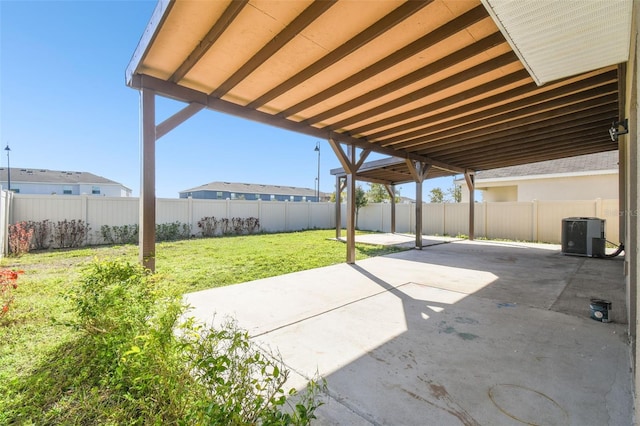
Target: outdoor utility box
[[583, 236]]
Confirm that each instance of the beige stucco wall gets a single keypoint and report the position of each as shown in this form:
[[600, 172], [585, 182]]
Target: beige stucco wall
[[553, 189]]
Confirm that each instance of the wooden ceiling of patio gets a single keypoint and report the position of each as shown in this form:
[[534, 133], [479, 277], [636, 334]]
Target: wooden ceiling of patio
[[433, 81]]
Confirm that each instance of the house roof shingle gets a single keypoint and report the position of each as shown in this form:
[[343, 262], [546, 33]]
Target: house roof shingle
[[253, 188], [583, 163], [53, 176]]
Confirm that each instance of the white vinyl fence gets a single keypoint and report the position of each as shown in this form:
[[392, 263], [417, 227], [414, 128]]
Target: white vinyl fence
[[530, 221], [526, 221]]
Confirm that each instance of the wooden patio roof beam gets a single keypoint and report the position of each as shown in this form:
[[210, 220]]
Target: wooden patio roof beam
[[518, 76], [503, 114], [230, 13], [453, 118], [446, 83], [516, 127], [378, 28], [308, 16], [557, 131], [471, 17], [185, 94]]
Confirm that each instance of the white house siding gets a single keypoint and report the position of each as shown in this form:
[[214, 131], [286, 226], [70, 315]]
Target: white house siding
[[106, 190], [556, 188]]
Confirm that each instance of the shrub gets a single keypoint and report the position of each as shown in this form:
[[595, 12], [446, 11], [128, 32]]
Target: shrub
[[42, 237], [20, 236], [149, 366], [8, 283], [70, 233], [208, 226], [125, 234], [172, 231], [237, 224], [252, 224], [225, 226]]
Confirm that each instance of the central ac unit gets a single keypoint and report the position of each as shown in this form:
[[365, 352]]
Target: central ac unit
[[583, 236]]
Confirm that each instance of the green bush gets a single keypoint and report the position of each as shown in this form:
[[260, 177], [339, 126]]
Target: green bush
[[138, 361], [125, 234], [172, 231]]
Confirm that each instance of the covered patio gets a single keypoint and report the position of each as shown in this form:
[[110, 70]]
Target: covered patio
[[447, 86], [459, 333]]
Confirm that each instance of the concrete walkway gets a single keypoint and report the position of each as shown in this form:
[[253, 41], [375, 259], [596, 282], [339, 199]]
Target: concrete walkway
[[461, 333]]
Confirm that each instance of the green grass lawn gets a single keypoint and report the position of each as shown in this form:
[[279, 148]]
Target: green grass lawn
[[34, 326]]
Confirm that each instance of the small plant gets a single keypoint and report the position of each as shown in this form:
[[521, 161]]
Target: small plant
[[70, 233], [152, 374], [172, 231], [208, 226], [252, 224], [225, 226], [237, 224], [20, 236], [125, 234], [8, 283], [42, 237]]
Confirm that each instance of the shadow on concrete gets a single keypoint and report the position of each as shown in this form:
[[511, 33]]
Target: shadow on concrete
[[470, 333]]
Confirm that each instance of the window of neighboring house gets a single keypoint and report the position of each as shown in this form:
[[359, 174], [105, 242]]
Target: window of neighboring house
[[16, 190], [257, 196], [95, 190], [304, 198], [290, 197], [233, 195], [67, 190], [272, 197], [219, 194]]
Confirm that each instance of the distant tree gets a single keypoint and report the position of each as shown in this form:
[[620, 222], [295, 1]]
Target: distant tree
[[454, 194], [361, 201], [436, 196], [377, 193]]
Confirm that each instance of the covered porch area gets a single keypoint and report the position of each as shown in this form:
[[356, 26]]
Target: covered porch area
[[462, 332]]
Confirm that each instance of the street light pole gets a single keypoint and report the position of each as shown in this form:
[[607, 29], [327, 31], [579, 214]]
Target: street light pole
[[8, 167], [317, 149]]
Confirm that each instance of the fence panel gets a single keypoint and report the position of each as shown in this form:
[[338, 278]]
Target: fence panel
[[433, 218], [323, 215], [611, 213], [509, 220], [52, 207], [274, 216], [551, 213], [456, 218]]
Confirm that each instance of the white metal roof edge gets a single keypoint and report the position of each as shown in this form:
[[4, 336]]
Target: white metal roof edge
[[157, 17]]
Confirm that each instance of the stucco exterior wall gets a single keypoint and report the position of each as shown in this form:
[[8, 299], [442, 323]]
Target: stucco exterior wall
[[553, 189]]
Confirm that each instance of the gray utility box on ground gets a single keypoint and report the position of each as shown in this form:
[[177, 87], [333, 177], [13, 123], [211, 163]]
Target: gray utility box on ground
[[583, 236]]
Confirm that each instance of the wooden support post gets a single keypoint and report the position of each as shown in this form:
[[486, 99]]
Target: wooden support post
[[147, 235], [419, 214], [419, 171], [351, 209], [338, 209], [469, 176], [391, 189], [350, 166]]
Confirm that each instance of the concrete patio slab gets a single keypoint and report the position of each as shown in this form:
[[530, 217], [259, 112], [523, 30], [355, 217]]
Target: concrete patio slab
[[462, 333]]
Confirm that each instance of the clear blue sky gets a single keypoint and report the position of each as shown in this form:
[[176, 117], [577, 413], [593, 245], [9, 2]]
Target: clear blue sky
[[64, 105]]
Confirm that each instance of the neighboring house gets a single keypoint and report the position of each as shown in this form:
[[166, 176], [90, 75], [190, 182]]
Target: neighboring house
[[57, 182], [251, 191], [585, 177]]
